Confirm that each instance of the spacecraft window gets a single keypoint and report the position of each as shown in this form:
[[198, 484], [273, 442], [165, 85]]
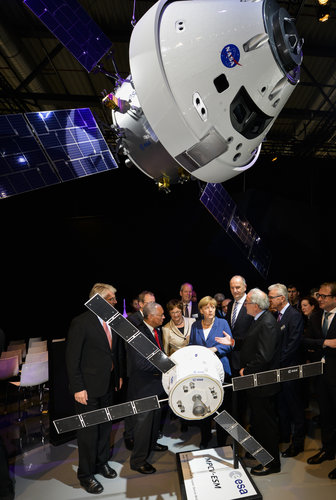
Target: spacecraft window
[[246, 117], [221, 83]]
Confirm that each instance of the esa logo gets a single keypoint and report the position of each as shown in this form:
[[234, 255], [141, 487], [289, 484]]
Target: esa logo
[[236, 475]]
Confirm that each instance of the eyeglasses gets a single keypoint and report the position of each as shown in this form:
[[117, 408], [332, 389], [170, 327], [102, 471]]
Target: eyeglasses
[[274, 297], [323, 296], [111, 299]]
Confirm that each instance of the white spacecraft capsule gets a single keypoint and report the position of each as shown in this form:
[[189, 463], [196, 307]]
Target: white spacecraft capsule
[[209, 78]]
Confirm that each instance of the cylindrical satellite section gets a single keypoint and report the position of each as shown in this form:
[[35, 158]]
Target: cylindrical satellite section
[[195, 384]]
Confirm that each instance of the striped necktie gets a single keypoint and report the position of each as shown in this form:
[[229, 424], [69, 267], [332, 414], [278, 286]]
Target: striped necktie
[[234, 314]]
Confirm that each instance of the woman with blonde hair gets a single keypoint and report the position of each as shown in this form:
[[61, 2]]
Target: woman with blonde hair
[[204, 333]]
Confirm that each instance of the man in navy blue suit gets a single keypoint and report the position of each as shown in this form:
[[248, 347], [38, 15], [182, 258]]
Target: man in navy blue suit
[[145, 380], [290, 400]]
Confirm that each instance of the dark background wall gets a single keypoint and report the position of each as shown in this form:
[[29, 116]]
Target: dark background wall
[[117, 228]]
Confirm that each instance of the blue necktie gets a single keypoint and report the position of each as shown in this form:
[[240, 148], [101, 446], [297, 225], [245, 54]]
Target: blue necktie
[[325, 323]]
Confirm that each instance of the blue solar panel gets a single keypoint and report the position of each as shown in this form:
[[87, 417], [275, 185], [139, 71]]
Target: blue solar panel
[[219, 203], [74, 28], [46, 148]]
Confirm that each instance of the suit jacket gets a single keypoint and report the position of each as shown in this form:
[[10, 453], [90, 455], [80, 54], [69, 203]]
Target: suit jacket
[[89, 357], [194, 310], [314, 339], [261, 351], [136, 318], [239, 332], [291, 326], [197, 338], [173, 338], [144, 379]]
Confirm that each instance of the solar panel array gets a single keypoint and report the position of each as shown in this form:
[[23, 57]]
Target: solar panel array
[[74, 28], [103, 415], [46, 148], [127, 331], [222, 207]]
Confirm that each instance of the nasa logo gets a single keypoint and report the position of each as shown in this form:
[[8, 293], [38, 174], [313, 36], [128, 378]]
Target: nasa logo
[[230, 56]]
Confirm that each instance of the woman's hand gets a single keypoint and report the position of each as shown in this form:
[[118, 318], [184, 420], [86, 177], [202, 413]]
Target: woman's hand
[[226, 340], [213, 349]]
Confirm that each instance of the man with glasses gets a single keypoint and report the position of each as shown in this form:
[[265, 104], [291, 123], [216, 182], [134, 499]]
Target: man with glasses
[[144, 298], [290, 400], [145, 380], [321, 336], [261, 352], [95, 365]]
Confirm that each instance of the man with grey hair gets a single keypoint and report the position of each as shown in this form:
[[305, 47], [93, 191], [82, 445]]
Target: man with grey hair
[[145, 380], [190, 308], [290, 400], [261, 352], [239, 322], [95, 366]]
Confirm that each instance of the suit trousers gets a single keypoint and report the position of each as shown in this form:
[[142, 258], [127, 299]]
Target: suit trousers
[[94, 441], [264, 423], [326, 398], [146, 427], [291, 412]]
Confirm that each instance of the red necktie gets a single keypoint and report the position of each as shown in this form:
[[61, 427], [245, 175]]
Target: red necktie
[[108, 334], [157, 338]]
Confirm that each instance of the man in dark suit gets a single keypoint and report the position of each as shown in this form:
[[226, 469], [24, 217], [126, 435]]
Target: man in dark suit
[[94, 361], [261, 352], [190, 308], [290, 398], [145, 380], [238, 319], [144, 298], [321, 336], [136, 319]]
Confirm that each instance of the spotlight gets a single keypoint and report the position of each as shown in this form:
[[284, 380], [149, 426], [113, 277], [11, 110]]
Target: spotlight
[[323, 10]]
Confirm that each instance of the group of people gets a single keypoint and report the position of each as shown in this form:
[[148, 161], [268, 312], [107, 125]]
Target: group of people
[[252, 332]]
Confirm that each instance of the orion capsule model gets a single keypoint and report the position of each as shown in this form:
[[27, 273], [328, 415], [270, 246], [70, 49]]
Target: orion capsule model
[[208, 80]]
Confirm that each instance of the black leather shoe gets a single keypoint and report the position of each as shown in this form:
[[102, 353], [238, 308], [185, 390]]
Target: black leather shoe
[[91, 485], [332, 474], [320, 457], [159, 447], [292, 451], [146, 468], [106, 471], [129, 443], [260, 470]]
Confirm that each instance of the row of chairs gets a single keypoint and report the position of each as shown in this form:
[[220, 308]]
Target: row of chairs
[[34, 371]]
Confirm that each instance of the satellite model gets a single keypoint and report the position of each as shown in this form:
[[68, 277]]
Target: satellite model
[[193, 379], [208, 79]]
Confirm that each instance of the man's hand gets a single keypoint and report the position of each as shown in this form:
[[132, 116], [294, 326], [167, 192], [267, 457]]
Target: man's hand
[[120, 385], [81, 397], [330, 343], [241, 372]]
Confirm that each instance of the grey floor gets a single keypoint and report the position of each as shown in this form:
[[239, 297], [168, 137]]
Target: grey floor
[[44, 471]]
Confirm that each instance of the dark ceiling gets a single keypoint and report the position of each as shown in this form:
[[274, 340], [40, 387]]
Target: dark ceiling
[[117, 227]]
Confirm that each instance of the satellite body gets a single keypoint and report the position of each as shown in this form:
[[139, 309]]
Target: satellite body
[[210, 78]]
